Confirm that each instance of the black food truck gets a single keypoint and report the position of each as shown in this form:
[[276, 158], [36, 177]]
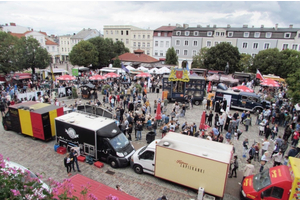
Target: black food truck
[[179, 84], [98, 137]]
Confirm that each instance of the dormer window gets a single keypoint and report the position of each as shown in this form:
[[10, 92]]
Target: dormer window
[[287, 35], [217, 33], [178, 32], [230, 34], [186, 33], [246, 34], [222, 33], [268, 35], [209, 33], [196, 33], [256, 34]]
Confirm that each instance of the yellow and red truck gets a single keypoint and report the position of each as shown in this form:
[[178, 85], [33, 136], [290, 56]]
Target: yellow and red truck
[[280, 182], [32, 118]]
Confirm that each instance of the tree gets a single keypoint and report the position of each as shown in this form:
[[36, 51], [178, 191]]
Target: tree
[[218, 56], [8, 53], [84, 54], [31, 55], [171, 57], [117, 63], [119, 48], [198, 59], [246, 61], [290, 62], [267, 61], [294, 85]]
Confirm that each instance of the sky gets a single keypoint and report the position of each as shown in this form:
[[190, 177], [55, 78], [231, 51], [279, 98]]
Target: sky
[[68, 17]]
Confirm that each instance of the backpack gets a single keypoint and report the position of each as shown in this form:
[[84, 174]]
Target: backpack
[[65, 161], [251, 151]]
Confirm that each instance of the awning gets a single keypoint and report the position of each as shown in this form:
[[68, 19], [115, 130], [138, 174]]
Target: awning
[[22, 77]]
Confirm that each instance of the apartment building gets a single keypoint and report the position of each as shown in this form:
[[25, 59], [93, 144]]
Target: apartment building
[[14, 28], [65, 47], [162, 41], [133, 37]]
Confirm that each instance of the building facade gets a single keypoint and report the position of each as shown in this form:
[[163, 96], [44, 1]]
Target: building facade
[[14, 28], [65, 47]]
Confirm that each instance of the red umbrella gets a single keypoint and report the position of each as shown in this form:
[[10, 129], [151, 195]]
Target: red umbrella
[[202, 122], [209, 87], [97, 77], [111, 75], [242, 88], [66, 78], [144, 75], [269, 82], [158, 112]]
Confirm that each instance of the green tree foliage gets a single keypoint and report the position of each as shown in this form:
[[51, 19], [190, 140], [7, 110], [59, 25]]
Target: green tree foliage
[[171, 57], [117, 63], [83, 54], [293, 82], [267, 61], [198, 59], [107, 49], [218, 56], [246, 61], [31, 54], [290, 62], [8, 53]]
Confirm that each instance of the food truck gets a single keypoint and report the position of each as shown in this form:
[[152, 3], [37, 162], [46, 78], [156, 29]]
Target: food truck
[[98, 137], [179, 84], [32, 118], [186, 160], [280, 182]]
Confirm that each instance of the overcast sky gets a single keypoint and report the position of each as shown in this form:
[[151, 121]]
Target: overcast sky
[[60, 18]]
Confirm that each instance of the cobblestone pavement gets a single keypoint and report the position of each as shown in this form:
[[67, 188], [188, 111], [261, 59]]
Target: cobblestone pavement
[[40, 157]]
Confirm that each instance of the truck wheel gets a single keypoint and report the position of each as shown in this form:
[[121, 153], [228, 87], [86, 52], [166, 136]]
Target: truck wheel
[[113, 163], [197, 103], [138, 169], [5, 127]]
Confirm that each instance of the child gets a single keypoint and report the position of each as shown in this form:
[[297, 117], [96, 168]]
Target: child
[[285, 160], [235, 135]]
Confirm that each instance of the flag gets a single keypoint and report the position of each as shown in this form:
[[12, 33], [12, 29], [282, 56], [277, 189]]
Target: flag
[[124, 68], [258, 75]]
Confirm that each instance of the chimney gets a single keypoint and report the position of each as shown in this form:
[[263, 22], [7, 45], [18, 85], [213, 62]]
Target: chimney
[[178, 25], [74, 33], [208, 26], [12, 24], [6, 24], [32, 29], [291, 26], [198, 26], [228, 26], [215, 26], [252, 26], [262, 26], [169, 24], [276, 27], [185, 26], [245, 26]]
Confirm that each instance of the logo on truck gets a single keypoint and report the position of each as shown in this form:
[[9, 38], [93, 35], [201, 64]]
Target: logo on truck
[[71, 133], [189, 166]]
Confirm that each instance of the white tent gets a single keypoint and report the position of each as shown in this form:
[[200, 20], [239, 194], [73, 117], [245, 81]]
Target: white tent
[[153, 70], [129, 67], [164, 70], [143, 68]]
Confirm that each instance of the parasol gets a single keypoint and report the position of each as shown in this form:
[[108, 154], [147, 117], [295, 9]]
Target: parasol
[[111, 75], [242, 88], [97, 77], [144, 75], [66, 78], [158, 112], [202, 122]]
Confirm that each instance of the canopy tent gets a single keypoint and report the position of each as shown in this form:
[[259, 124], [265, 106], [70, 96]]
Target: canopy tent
[[163, 70], [143, 68], [153, 70], [129, 67], [223, 78]]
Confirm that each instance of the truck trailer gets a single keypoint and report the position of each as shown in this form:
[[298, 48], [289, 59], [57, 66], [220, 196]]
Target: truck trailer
[[32, 118], [186, 160], [98, 137]]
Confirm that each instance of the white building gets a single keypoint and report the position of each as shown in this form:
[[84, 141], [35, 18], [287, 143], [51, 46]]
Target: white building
[[162, 41], [13, 28]]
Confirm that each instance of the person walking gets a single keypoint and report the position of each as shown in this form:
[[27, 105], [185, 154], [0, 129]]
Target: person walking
[[247, 122], [248, 170], [67, 162], [74, 155], [235, 167], [265, 146]]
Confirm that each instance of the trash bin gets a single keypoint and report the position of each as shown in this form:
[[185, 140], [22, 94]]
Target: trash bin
[[150, 137]]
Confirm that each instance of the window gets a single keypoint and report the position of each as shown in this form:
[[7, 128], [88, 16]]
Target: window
[[167, 43], [196, 33], [161, 43], [158, 34], [133, 36], [177, 51], [144, 36], [165, 34], [267, 46], [253, 55], [62, 49], [295, 46], [178, 33], [195, 43], [107, 32], [275, 192], [147, 155], [255, 45], [134, 44], [143, 44], [268, 35], [68, 42], [48, 48], [246, 34], [245, 45], [186, 33], [148, 52], [161, 53], [139, 44], [222, 34], [177, 42], [194, 52], [121, 40], [126, 32], [117, 39], [217, 33], [148, 36], [208, 43], [230, 34], [111, 32], [256, 34], [287, 35], [148, 44], [186, 43], [209, 33], [216, 43], [156, 43], [156, 53], [127, 41], [185, 52], [285, 46], [117, 32], [139, 36], [121, 32], [298, 35]]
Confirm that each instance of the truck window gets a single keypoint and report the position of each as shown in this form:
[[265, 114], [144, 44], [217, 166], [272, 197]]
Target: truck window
[[244, 98], [261, 180], [147, 155], [275, 192], [119, 142], [178, 86]]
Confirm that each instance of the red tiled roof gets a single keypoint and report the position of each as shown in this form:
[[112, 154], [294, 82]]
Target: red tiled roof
[[138, 51], [165, 28], [49, 42], [19, 35], [131, 57]]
